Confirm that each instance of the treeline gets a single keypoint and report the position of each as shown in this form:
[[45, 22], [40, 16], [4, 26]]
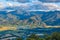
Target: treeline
[[53, 36]]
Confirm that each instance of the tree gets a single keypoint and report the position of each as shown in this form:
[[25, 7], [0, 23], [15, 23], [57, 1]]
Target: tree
[[53, 36], [19, 39], [56, 36], [47, 37], [34, 37]]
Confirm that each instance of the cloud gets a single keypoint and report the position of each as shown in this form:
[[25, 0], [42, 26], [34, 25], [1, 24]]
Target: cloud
[[10, 4], [33, 5], [50, 0], [1, 5], [52, 6]]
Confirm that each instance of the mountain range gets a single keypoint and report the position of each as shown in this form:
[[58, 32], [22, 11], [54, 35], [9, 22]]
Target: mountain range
[[29, 13], [32, 18]]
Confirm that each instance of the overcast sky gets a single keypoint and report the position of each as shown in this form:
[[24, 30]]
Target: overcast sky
[[4, 3]]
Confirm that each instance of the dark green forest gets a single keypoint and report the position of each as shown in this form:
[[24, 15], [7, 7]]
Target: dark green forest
[[53, 36]]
